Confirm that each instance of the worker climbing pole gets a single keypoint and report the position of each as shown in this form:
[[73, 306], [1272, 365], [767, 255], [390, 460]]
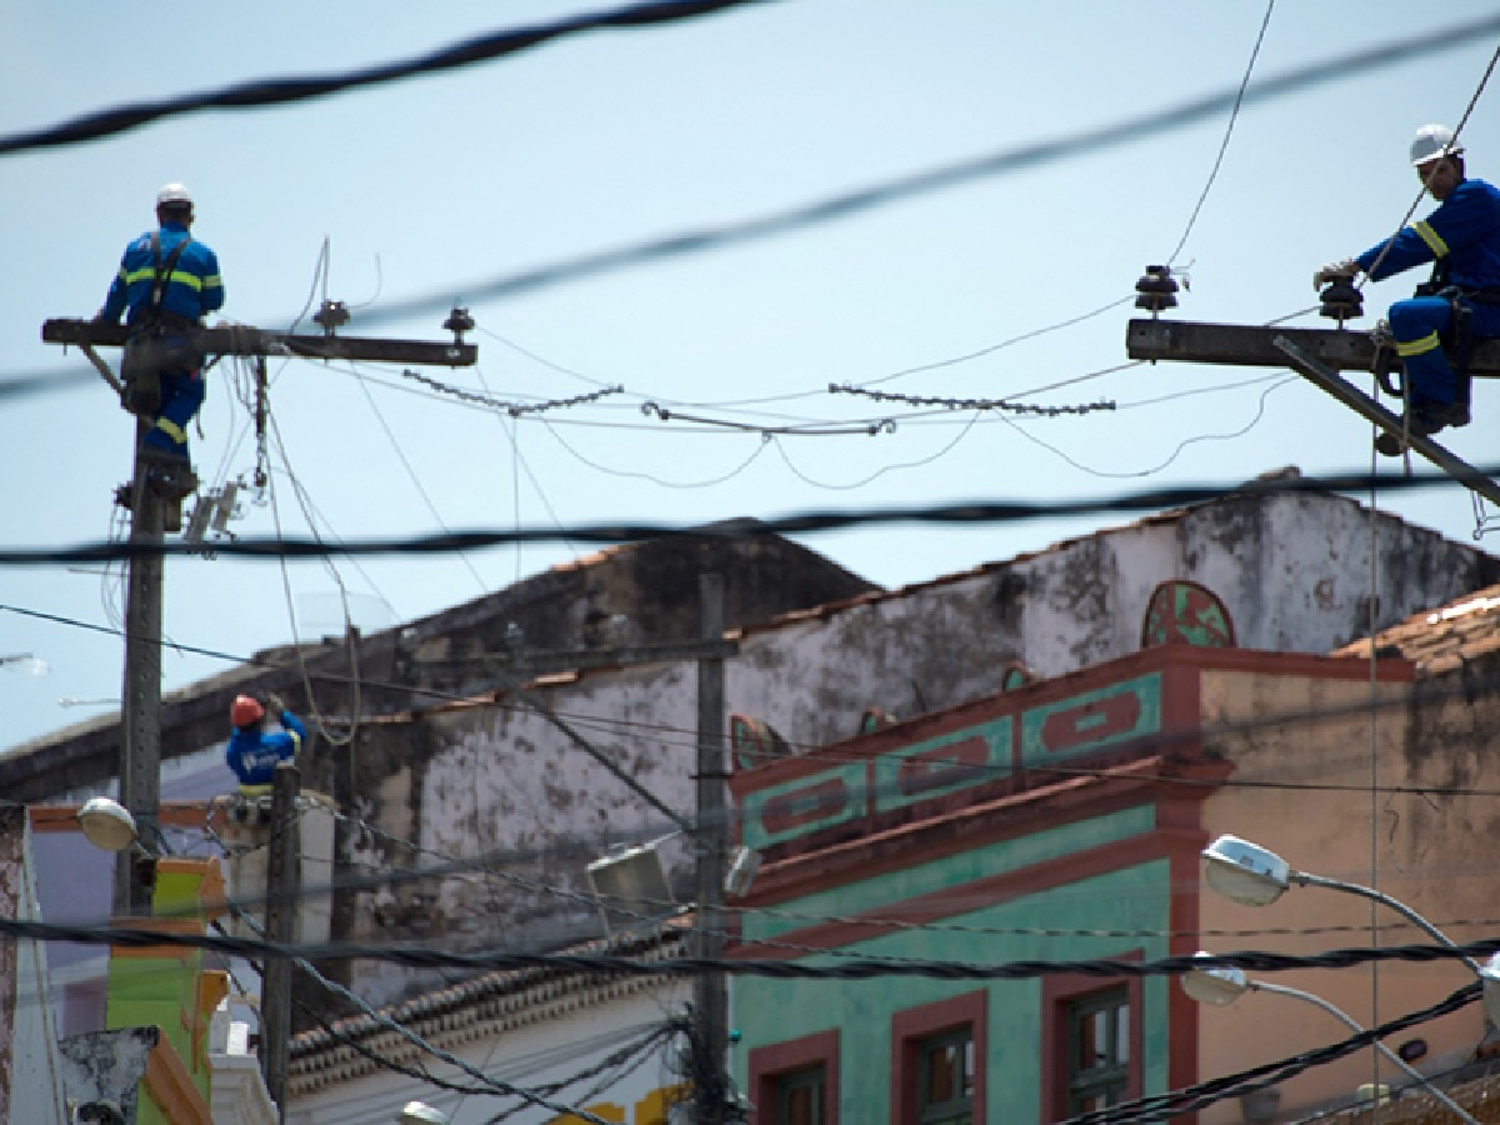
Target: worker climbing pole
[[168, 272], [1441, 338]]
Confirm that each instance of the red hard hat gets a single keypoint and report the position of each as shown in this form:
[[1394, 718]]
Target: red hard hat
[[246, 711]]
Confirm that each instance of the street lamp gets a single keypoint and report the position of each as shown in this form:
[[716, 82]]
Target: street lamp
[[27, 663], [1220, 987], [420, 1113], [1251, 875], [107, 824]]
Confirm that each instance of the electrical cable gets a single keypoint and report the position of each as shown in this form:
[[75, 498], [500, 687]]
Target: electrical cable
[[900, 189], [1234, 114], [978, 512], [281, 91], [1163, 1107]]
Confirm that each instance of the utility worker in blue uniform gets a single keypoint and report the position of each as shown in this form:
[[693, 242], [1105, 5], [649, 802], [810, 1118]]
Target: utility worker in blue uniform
[[253, 754], [168, 281], [1461, 302]]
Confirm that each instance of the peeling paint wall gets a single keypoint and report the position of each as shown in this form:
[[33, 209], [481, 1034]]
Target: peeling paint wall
[[1292, 570], [30, 1083]]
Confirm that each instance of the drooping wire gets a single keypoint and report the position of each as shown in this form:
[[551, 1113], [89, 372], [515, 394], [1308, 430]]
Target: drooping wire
[[1234, 114]]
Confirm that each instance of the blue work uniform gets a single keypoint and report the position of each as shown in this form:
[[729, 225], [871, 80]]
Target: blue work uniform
[[253, 755], [193, 290], [1464, 232]]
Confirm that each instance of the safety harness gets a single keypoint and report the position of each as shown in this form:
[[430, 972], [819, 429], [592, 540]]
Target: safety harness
[[159, 340], [1458, 340]]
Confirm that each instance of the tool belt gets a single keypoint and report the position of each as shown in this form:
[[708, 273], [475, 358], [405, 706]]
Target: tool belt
[[1458, 341]]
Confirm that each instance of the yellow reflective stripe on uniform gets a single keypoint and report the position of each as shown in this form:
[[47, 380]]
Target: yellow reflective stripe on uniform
[[296, 740], [1432, 238], [137, 275], [172, 430], [1427, 343], [187, 279]]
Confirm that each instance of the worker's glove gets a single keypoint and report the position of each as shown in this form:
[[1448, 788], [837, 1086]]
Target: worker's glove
[[275, 704], [1334, 270]]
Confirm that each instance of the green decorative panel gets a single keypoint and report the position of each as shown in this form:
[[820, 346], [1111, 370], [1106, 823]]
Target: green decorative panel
[[809, 804], [943, 765], [1091, 721]]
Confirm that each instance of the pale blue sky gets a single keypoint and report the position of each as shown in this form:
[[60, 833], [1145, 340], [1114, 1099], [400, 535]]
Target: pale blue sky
[[437, 185]]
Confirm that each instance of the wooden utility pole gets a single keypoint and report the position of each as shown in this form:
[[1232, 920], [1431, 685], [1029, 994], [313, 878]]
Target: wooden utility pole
[[283, 888], [711, 1002], [155, 500], [1318, 355]]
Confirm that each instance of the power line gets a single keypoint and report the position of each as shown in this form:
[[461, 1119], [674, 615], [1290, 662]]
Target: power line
[[903, 188], [977, 512], [420, 957], [281, 91]]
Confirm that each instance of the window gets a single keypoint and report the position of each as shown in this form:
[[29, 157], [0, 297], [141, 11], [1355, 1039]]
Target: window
[[797, 1082], [1092, 1032], [1098, 1067], [945, 1079], [938, 1062], [800, 1095]]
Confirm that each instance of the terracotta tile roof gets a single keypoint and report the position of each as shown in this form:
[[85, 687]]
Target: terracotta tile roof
[[1440, 640]]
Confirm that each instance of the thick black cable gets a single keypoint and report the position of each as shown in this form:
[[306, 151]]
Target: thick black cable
[[421, 957], [1163, 1107], [962, 172], [976, 512], [280, 91]]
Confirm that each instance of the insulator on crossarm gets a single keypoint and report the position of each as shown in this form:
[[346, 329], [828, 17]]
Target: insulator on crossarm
[[459, 321], [1157, 290], [1342, 300], [332, 316]]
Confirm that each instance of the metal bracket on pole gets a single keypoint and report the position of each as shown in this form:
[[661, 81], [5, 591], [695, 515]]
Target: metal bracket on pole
[[1340, 388]]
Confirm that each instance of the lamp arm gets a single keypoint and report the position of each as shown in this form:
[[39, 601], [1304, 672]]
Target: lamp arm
[[1353, 1025], [1305, 879]]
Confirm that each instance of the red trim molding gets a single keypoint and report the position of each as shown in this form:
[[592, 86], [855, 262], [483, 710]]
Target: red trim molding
[[767, 1064], [910, 1027], [1058, 992]]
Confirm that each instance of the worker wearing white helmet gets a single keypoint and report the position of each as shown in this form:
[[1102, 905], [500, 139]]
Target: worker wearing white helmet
[[167, 282], [1459, 304]]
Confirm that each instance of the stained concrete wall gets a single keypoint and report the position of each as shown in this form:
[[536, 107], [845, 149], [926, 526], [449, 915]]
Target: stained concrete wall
[[30, 1087], [1328, 808]]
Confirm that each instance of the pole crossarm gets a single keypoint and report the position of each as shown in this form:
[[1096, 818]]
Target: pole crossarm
[[1361, 403], [1245, 345], [248, 341]]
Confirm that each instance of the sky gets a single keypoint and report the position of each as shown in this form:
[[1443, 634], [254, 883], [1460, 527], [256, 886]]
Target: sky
[[425, 192]]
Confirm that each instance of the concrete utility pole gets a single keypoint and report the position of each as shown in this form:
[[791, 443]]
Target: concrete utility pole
[[283, 889], [155, 507], [1318, 355], [711, 1000]]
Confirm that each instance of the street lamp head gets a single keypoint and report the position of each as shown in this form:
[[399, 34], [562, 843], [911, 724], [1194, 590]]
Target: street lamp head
[[1489, 977], [1245, 873], [420, 1113], [1217, 986], [107, 824]]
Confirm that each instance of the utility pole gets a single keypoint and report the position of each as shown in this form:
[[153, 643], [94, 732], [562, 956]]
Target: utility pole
[[155, 508], [283, 887], [711, 1000], [1318, 355]]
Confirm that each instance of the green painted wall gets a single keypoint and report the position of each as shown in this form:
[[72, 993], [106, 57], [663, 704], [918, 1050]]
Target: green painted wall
[[1129, 900]]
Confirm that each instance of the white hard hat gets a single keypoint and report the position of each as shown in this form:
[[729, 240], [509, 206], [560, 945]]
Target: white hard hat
[[174, 194], [1433, 142]]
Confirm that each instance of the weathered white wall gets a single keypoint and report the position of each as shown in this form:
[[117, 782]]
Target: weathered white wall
[[1293, 571], [30, 1079]]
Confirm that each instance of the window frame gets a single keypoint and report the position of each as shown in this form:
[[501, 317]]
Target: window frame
[[1060, 997], [771, 1064], [913, 1028]]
